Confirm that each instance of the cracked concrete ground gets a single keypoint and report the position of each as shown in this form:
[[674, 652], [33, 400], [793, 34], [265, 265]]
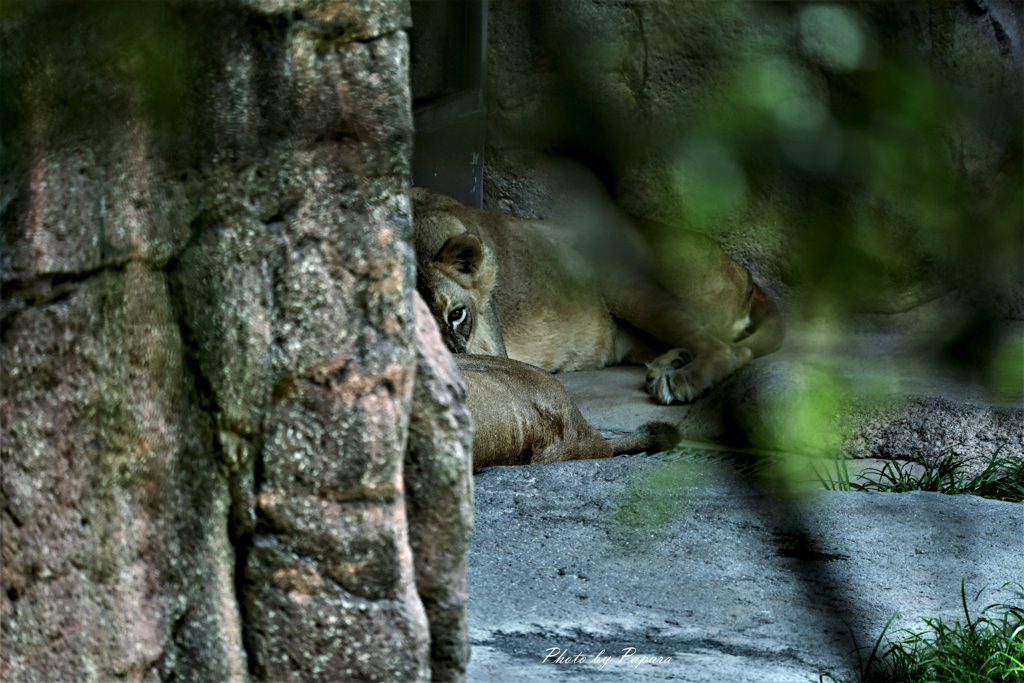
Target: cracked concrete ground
[[690, 561], [685, 556]]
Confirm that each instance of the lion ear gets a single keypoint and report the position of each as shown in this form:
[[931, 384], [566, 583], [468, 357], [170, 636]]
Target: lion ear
[[470, 263], [463, 252]]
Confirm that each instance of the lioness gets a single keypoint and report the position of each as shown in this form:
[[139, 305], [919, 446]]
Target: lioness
[[522, 415], [537, 292]]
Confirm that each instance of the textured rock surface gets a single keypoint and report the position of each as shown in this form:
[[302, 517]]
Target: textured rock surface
[[116, 558], [695, 564], [439, 496], [209, 358]]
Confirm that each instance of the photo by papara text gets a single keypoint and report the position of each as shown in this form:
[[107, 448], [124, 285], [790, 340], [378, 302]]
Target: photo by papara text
[[628, 657]]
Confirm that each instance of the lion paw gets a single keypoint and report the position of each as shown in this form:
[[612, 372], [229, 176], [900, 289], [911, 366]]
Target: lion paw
[[671, 378]]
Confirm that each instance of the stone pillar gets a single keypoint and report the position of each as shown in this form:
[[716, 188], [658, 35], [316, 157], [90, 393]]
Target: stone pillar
[[208, 346]]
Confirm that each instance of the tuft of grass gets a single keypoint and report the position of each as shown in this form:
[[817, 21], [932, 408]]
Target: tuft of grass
[[1001, 479], [987, 649], [839, 478]]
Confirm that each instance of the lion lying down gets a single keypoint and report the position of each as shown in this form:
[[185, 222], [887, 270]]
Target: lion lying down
[[523, 415], [538, 292]]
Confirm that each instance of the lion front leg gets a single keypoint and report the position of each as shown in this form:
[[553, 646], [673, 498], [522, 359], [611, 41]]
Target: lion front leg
[[680, 377], [697, 360]]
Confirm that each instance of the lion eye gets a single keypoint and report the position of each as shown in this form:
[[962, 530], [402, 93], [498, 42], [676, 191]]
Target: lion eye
[[457, 315]]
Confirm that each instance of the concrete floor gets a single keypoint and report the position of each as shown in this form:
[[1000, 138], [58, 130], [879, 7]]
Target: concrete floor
[[687, 561], [681, 555]]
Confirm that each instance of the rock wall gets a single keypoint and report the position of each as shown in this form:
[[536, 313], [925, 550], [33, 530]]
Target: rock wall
[[876, 140], [209, 353]]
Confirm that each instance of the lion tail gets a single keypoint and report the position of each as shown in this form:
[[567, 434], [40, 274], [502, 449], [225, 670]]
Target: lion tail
[[652, 437]]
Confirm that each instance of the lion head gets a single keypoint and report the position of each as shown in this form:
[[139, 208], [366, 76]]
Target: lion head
[[456, 283]]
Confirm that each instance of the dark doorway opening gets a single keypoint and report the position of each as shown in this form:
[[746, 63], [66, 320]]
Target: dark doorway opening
[[448, 71]]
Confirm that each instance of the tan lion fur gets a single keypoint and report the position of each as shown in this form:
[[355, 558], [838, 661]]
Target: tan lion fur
[[523, 415], [538, 292]]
